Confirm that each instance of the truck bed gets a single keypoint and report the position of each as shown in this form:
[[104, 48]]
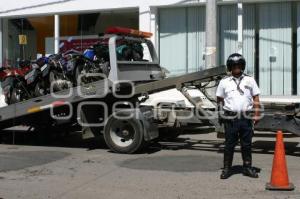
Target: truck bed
[[28, 111]]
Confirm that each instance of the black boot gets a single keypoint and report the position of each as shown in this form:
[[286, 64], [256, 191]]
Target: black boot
[[226, 173], [248, 170], [228, 157]]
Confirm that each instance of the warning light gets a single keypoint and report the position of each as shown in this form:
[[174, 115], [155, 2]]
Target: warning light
[[128, 31]]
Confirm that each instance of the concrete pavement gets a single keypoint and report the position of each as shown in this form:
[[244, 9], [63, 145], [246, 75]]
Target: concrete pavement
[[188, 167]]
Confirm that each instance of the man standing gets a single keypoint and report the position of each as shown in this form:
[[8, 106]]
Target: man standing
[[237, 95]]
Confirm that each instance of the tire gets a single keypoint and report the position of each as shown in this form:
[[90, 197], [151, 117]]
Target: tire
[[53, 77], [15, 97], [39, 90], [124, 135], [7, 84], [8, 98]]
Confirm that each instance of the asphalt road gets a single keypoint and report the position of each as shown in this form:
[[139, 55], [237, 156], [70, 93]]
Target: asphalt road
[[187, 167]]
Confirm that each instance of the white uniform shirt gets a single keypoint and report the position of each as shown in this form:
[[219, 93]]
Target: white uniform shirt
[[233, 99]]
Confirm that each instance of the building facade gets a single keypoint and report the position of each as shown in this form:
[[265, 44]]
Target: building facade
[[266, 32]]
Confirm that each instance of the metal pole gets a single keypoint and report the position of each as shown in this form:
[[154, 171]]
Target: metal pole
[[1, 44], [56, 34], [211, 34], [23, 45], [240, 28]]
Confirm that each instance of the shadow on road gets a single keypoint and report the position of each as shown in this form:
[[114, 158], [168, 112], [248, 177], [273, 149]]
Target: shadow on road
[[259, 147], [238, 169], [74, 140], [54, 139]]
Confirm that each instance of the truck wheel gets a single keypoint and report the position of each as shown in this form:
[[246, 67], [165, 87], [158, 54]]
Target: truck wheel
[[124, 135]]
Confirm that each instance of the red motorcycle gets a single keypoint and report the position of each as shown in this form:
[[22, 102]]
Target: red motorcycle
[[12, 82]]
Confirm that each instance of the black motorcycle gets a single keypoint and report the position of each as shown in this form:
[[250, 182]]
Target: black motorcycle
[[73, 68], [96, 59], [41, 77], [61, 70], [89, 64], [34, 84]]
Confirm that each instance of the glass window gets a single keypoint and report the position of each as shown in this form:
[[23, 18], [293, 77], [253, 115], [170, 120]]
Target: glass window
[[229, 34], [267, 43], [182, 39], [80, 31], [275, 48], [32, 37], [24, 38]]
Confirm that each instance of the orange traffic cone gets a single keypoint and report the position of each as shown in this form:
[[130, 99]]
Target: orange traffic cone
[[279, 178]]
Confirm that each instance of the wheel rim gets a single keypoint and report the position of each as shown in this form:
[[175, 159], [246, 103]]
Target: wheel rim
[[51, 76], [122, 133], [54, 76], [17, 95], [41, 91]]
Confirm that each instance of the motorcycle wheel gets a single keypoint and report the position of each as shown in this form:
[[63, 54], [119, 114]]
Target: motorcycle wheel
[[15, 96], [54, 76], [39, 90], [7, 94]]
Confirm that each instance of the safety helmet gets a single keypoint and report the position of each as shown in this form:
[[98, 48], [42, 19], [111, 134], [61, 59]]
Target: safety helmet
[[235, 59]]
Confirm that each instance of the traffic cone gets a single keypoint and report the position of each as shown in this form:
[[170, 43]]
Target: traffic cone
[[279, 177]]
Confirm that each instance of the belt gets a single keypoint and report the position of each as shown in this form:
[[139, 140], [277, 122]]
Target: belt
[[243, 113]]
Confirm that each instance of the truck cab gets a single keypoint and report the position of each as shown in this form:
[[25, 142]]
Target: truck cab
[[132, 55]]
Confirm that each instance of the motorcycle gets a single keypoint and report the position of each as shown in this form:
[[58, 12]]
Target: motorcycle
[[36, 83], [67, 68], [61, 70], [88, 64], [96, 59], [12, 82]]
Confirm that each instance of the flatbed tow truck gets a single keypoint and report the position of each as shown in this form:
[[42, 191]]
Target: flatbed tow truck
[[135, 102]]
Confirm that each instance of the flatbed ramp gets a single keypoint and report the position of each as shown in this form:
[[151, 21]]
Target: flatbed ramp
[[27, 111]]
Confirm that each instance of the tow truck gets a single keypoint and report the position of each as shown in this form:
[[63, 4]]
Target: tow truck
[[132, 105], [280, 113]]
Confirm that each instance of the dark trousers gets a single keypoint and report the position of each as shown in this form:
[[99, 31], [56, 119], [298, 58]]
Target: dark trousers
[[235, 130]]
